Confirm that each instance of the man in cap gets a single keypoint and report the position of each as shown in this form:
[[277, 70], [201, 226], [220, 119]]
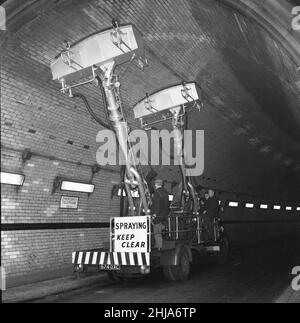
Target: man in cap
[[161, 210], [211, 213]]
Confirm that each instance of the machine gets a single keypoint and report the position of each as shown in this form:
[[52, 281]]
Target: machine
[[93, 60]]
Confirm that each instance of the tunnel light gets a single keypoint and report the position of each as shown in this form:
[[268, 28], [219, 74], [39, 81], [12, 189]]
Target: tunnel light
[[233, 204], [298, 208], [120, 192], [77, 187], [264, 206], [12, 179], [277, 207], [171, 198], [289, 208], [249, 205]]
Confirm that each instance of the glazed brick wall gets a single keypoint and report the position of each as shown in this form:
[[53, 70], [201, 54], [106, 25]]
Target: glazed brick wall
[[30, 252], [35, 115], [24, 252], [34, 202], [184, 40]]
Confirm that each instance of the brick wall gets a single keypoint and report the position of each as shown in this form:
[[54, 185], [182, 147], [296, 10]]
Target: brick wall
[[225, 52], [191, 40], [62, 136], [29, 255]]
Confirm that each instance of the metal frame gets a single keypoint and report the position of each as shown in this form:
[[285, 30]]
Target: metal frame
[[175, 235], [104, 73]]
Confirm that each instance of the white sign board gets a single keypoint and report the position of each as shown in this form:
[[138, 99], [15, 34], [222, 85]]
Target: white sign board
[[131, 234], [69, 202]]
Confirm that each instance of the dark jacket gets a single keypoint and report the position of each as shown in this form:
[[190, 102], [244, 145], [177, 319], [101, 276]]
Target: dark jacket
[[212, 207], [202, 205], [160, 205]]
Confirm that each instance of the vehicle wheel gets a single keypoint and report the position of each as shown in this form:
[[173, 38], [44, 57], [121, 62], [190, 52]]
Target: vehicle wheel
[[224, 252], [168, 273], [180, 272]]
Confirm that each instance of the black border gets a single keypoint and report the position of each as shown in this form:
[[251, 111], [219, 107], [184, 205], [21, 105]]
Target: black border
[[53, 226], [104, 225]]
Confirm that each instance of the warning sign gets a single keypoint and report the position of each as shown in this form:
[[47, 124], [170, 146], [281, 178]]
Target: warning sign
[[131, 234], [69, 202]]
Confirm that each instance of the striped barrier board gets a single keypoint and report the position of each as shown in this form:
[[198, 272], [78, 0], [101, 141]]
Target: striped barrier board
[[110, 258]]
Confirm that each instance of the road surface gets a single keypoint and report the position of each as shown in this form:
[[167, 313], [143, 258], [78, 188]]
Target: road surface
[[262, 274]]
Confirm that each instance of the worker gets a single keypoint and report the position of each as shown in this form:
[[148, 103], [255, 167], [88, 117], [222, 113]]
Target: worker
[[203, 202], [161, 210], [210, 213]]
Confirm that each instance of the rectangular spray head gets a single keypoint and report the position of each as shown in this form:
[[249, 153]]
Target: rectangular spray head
[[166, 99], [112, 45]]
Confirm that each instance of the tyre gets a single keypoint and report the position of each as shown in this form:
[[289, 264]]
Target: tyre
[[168, 273], [180, 272], [223, 255]]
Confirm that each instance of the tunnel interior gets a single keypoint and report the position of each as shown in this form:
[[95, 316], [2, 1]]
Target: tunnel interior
[[251, 116]]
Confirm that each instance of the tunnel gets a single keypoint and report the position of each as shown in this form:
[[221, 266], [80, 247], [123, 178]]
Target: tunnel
[[245, 58]]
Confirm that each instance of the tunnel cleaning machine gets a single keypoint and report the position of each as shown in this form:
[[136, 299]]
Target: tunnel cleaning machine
[[132, 252]]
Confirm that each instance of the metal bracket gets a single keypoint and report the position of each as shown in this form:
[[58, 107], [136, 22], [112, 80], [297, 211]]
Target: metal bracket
[[185, 92], [66, 56], [148, 104], [26, 155], [169, 115], [56, 184], [65, 87], [116, 36], [117, 39], [142, 62], [147, 125]]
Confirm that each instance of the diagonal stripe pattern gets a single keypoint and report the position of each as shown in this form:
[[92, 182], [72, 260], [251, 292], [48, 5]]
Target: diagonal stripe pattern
[[110, 258]]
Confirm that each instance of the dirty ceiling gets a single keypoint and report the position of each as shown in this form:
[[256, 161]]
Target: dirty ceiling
[[252, 102]]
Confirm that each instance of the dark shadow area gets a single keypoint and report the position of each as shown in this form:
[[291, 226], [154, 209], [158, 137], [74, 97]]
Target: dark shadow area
[[266, 89], [259, 274]]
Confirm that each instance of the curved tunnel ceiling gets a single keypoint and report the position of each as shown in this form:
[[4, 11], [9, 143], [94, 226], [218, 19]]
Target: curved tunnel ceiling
[[250, 81]]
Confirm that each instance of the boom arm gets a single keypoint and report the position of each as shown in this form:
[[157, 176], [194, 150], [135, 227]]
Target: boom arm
[[97, 56], [172, 104]]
